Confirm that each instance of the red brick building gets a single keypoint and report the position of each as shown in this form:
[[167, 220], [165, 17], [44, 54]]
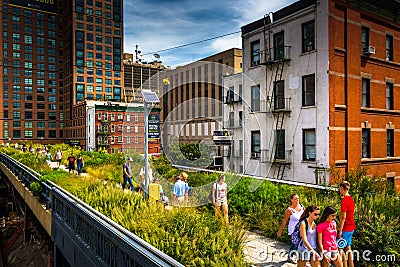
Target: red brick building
[[114, 126], [364, 88]]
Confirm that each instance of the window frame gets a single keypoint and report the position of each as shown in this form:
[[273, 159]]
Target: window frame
[[306, 91], [308, 37], [365, 92], [309, 149], [255, 53], [389, 142], [255, 144], [389, 96], [366, 143], [255, 102]]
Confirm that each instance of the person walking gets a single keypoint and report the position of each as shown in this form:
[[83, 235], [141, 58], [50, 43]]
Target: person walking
[[79, 163], [307, 249], [71, 163], [220, 197], [347, 225], [327, 233], [184, 177], [292, 214], [126, 169], [179, 191], [58, 156]]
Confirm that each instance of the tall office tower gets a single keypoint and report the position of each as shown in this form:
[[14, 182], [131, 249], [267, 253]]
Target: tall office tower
[[54, 54], [140, 75]]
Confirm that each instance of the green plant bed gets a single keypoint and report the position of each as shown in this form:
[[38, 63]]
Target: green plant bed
[[193, 238]]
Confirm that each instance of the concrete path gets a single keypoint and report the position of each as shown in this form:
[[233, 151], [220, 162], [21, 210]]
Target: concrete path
[[265, 252], [54, 165]]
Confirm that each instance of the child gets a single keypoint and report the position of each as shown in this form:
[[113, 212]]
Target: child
[[327, 233], [307, 250]]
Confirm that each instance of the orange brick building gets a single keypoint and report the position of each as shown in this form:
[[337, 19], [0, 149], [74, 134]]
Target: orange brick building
[[364, 86]]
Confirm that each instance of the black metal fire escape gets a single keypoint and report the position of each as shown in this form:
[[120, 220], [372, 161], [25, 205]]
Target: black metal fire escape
[[276, 55]]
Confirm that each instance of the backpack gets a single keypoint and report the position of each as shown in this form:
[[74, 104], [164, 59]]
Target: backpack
[[210, 195], [296, 237]]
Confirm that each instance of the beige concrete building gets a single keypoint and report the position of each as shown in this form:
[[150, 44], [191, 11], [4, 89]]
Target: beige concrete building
[[192, 101]]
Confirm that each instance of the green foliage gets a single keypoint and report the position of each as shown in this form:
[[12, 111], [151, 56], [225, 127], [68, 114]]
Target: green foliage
[[187, 235], [193, 237], [55, 175], [36, 188]]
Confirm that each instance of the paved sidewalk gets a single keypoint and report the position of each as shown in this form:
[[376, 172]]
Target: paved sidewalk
[[54, 165], [265, 252]]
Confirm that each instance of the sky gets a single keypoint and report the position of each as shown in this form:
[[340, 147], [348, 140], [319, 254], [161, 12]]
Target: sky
[[156, 25]]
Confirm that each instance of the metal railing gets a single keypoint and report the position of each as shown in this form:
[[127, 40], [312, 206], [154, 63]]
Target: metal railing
[[27, 176], [271, 156], [84, 236]]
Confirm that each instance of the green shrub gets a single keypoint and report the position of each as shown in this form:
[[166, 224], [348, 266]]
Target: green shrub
[[36, 188]]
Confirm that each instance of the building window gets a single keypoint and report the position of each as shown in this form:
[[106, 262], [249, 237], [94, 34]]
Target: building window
[[255, 98], [389, 47], [230, 95], [28, 133], [279, 46], [128, 129], [279, 95], [255, 144], [128, 139], [231, 119], [364, 38], [390, 143], [309, 144], [136, 129], [136, 139], [255, 53], [136, 117], [308, 34], [309, 90], [389, 96], [365, 93], [280, 144], [366, 143]]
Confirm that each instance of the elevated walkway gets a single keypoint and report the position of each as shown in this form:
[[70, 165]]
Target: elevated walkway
[[81, 235]]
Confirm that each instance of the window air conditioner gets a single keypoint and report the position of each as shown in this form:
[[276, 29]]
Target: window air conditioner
[[255, 155], [368, 50]]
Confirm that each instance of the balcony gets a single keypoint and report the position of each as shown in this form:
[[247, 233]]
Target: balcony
[[233, 124], [275, 105], [274, 55], [233, 99], [271, 56], [282, 157]]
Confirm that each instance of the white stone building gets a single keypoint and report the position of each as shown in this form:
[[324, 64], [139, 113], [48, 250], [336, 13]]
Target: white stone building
[[285, 94]]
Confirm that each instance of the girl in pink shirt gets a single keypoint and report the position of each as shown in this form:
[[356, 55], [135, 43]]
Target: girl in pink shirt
[[327, 233]]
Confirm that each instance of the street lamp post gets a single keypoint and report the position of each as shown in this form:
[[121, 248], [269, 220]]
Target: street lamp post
[[149, 97]]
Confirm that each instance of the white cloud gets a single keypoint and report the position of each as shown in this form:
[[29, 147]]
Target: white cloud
[[232, 41], [159, 24]]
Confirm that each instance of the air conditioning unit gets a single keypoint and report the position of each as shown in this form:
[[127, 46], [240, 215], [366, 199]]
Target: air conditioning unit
[[256, 155], [369, 50]]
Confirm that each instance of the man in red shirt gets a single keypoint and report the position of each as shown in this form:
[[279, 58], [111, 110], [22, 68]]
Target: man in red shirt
[[346, 224]]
